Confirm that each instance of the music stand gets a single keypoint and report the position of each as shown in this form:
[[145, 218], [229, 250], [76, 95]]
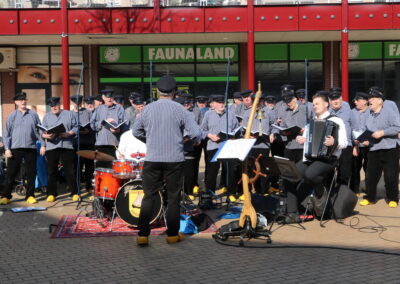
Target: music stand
[[271, 166], [288, 169]]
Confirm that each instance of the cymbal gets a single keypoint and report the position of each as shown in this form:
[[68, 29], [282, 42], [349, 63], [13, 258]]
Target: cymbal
[[95, 155]]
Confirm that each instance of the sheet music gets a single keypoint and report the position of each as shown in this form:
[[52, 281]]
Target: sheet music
[[234, 149]]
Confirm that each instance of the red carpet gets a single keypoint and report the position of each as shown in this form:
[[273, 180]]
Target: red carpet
[[72, 227]]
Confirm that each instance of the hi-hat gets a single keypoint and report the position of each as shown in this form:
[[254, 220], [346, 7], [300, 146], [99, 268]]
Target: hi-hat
[[95, 155]]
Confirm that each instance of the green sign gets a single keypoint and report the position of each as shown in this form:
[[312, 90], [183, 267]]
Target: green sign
[[120, 54], [392, 49], [302, 51], [271, 52], [189, 53], [365, 50]]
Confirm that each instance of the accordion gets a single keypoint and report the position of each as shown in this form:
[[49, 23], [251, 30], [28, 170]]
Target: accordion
[[318, 130]]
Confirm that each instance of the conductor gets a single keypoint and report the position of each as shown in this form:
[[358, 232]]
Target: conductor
[[161, 124]]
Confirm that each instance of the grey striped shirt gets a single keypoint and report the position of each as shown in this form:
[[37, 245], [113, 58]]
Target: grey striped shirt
[[65, 117], [84, 118], [21, 130], [104, 136], [162, 124], [130, 114], [214, 123]]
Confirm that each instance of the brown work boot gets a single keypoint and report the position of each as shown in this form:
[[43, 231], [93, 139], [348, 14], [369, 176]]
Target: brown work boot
[[175, 239]]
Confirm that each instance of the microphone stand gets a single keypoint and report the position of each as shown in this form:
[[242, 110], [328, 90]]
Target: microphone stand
[[306, 87], [228, 64], [78, 160]]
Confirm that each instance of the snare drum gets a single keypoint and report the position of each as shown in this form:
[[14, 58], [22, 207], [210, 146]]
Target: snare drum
[[124, 169], [106, 185], [129, 202]]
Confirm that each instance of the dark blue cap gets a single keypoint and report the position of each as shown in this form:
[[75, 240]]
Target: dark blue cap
[[53, 101], [138, 100], [245, 93], [76, 99], [237, 95], [107, 92], [217, 98], [270, 99], [119, 99], [180, 100], [133, 95], [98, 98], [376, 92], [89, 99], [301, 93], [287, 89], [361, 96], [335, 93], [20, 96], [166, 84], [201, 98]]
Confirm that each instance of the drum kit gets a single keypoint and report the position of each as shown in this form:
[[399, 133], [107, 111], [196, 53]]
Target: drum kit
[[119, 189]]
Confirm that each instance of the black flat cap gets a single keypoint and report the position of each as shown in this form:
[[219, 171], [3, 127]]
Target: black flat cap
[[287, 89], [301, 93], [187, 95], [89, 99], [288, 98], [138, 100], [20, 96], [107, 92], [166, 84], [180, 93], [133, 95], [245, 93], [201, 98], [376, 92], [180, 100], [119, 99], [98, 98], [76, 99], [53, 101], [361, 96], [217, 98], [237, 95], [335, 93], [270, 99]]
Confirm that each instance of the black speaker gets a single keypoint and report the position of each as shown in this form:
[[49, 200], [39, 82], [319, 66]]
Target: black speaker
[[271, 206]]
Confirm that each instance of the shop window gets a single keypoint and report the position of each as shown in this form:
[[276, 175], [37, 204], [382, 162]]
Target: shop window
[[75, 54], [33, 74], [32, 55]]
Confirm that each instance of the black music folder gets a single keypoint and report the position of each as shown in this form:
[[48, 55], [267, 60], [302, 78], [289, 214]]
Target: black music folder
[[288, 169], [84, 126], [113, 125], [288, 131], [58, 129], [235, 134], [263, 138], [365, 136]]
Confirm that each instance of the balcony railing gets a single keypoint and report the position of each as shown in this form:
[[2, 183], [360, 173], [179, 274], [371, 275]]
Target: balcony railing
[[45, 4]]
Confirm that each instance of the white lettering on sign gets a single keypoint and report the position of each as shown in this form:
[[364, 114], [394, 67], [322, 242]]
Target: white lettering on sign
[[394, 49], [181, 53]]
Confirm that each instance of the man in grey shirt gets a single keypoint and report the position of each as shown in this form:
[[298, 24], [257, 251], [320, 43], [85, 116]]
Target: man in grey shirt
[[107, 137], [161, 124], [20, 138], [59, 148]]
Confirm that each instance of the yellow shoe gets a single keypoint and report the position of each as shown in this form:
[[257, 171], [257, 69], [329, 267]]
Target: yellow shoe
[[76, 197], [31, 200], [365, 202], [196, 190], [91, 198], [51, 198], [221, 191], [392, 204], [232, 198], [4, 201], [175, 239], [142, 241], [241, 197], [191, 197]]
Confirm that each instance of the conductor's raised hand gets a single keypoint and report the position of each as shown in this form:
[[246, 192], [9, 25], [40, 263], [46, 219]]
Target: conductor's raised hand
[[329, 141]]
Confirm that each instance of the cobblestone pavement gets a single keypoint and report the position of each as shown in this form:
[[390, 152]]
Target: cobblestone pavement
[[28, 255]]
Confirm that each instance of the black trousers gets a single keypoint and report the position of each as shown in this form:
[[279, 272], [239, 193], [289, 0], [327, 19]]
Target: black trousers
[[388, 162], [262, 183], [313, 174], [14, 166], [67, 158], [189, 174], [154, 175], [232, 170], [110, 150], [87, 175], [345, 165], [294, 155], [357, 163], [197, 153]]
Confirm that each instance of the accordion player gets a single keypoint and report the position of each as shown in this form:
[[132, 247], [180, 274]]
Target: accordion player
[[318, 131]]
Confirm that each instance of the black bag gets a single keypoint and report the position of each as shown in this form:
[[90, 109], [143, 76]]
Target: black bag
[[343, 202], [270, 206], [205, 201]]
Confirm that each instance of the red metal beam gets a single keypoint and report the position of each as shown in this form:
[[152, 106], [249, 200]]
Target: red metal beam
[[250, 46], [65, 54], [345, 51]]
